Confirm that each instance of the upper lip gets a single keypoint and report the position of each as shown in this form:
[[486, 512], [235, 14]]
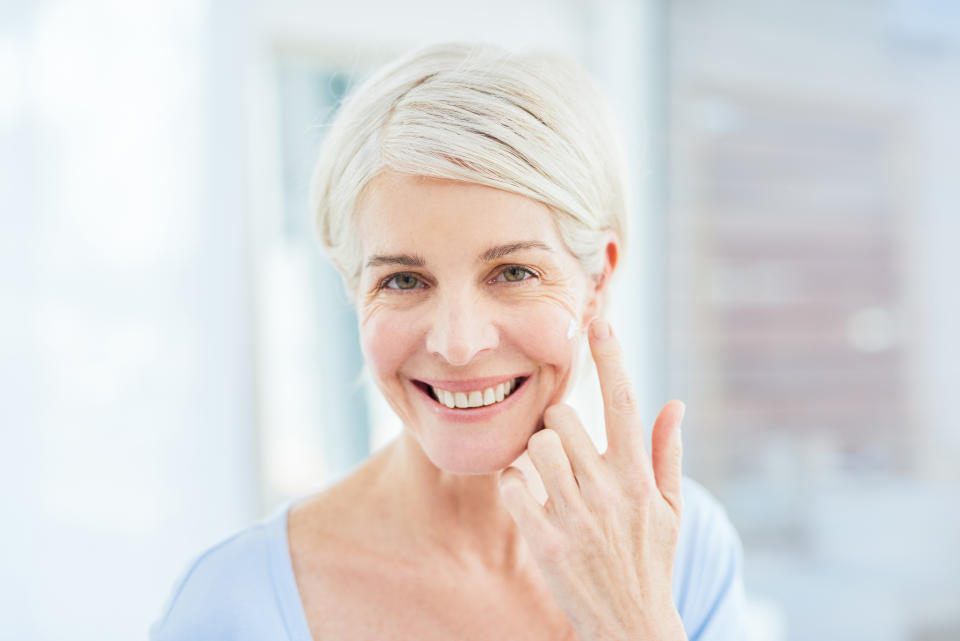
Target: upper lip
[[468, 384]]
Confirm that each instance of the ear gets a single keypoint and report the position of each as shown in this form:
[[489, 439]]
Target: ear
[[601, 282]]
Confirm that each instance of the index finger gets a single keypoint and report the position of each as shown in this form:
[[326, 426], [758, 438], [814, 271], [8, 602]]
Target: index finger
[[621, 406]]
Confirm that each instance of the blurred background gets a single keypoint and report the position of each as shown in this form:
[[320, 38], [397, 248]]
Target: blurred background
[[177, 359]]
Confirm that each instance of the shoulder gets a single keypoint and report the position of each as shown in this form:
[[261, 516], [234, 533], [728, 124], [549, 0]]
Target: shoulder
[[225, 593], [704, 517], [707, 580]]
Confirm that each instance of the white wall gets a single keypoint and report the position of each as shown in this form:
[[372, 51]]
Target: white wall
[[126, 368], [129, 176]]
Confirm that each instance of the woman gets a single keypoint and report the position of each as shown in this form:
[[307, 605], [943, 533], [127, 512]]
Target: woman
[[473, 201]]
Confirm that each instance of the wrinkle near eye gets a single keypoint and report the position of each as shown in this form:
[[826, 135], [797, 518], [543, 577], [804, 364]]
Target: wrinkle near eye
[[368, 310], [563, 295]]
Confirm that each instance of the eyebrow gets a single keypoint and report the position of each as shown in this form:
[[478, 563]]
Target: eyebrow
[[414, 260]]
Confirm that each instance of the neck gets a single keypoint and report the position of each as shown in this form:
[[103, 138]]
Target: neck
[[457, 517]]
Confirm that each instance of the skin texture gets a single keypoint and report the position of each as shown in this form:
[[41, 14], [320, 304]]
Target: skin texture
[[555, 540], [462, 318], [606, 538]]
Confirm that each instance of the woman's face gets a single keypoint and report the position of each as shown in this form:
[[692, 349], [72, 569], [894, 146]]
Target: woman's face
[[463, 288]]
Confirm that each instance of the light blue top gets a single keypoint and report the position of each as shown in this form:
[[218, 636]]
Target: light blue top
[[243, 588]]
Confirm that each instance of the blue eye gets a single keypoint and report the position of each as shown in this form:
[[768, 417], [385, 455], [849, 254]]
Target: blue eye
[[403, 280]]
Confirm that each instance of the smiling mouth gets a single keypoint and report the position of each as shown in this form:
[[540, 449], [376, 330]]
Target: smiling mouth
[[475, 399]]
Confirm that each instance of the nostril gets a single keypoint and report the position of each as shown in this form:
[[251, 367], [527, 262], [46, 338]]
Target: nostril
[[458, 340]]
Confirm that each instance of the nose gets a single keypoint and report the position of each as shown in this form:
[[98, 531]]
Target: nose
[[461, 328]]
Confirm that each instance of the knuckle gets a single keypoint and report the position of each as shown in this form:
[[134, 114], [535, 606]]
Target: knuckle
[[606, 499], [638, 484], [624, 398], [640, 490], [609, 350]]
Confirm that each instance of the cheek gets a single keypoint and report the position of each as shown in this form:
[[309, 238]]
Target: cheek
[[385, 344], [542, 331]]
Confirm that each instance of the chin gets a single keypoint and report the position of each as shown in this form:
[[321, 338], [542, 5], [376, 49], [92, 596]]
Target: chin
[[475, 459]]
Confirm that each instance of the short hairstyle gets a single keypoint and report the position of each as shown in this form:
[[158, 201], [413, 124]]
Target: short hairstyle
[[530, 123]]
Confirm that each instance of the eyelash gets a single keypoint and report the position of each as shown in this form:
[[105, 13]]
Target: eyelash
[[383, 284]]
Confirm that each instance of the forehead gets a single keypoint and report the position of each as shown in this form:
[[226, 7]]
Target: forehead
[[407, 212]]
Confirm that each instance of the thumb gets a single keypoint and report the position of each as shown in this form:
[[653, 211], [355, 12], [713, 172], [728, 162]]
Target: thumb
[[667, 453]]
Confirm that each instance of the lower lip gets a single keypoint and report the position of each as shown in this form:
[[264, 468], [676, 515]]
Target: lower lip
[[475, 414]]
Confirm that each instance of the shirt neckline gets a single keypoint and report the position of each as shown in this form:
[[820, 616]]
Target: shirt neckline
[[281, 571]]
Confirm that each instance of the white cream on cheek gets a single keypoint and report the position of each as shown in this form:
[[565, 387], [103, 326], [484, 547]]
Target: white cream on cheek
[[498, 327], [532, 335], [557, 346]]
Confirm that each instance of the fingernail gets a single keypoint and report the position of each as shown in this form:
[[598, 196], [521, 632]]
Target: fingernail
[[601, 329]]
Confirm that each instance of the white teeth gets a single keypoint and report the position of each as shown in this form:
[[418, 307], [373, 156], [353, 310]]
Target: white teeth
[[444, 397], [489, 396]]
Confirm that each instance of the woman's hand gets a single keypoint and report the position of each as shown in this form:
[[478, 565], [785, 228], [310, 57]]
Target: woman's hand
[[606, 538]]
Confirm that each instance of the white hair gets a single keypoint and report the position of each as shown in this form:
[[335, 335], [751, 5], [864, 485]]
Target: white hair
[[531, 123]]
